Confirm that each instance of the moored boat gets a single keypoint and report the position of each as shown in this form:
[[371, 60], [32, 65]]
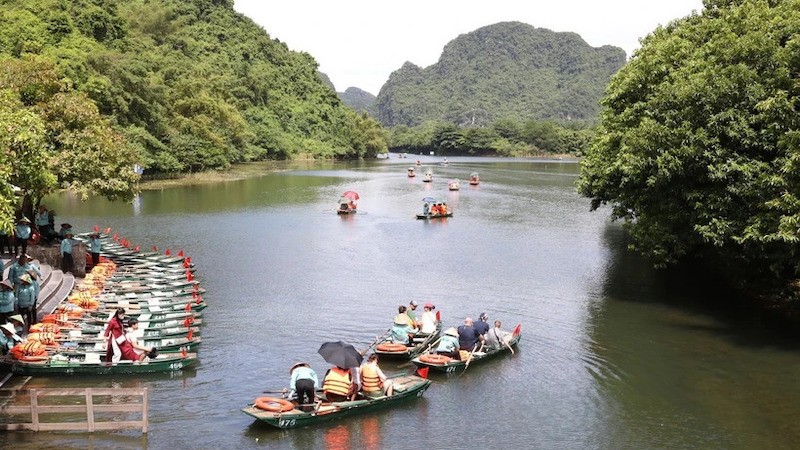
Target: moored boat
[[92, 364], [444, 364], [285, 414]]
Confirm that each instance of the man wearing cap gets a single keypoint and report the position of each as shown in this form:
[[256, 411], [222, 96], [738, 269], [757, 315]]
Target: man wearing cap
[[482, 326], [8, 301], [304, 382], [8, 338], [412, 307], [66, 253], [22, 232], [448, 344], [26, 300]]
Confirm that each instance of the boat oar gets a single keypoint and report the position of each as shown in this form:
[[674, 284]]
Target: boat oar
[[470, 357], [377, 339], [431, 346], [508, 345]]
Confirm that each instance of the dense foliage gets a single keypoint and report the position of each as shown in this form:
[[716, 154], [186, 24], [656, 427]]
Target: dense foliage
[[699, 144], [174, 85], [358, 99], [505, 137], [508, 70]]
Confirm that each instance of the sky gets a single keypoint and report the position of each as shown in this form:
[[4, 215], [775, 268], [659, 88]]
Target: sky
[[361, 42]]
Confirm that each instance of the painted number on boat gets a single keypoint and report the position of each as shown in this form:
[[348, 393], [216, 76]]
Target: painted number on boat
[[451, 369], [176, 366], [287, 423]]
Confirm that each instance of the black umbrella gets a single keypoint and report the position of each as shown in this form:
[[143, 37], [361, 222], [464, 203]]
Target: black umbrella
[[340, 354]]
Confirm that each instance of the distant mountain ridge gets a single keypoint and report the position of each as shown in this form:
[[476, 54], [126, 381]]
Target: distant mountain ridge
[[358, 99], [506, 70]]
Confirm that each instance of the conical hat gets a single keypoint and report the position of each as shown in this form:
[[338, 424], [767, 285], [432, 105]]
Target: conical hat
[[451, 332]]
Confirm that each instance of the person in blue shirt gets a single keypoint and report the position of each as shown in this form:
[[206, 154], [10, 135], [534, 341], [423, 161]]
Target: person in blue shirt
[[67, 263], [482, 326], [18, 269], [448, 344], [94, 248], [44, 223], [22, 233], [26, 300], [8, 301], [5, 242], [468, 336], [8, 338], [304, 382]]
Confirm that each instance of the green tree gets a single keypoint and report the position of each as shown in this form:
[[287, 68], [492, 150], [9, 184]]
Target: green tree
[[699, 144]]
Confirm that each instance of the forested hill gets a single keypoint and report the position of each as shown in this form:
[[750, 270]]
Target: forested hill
[[185, 84], [508, 70], [358, 99]]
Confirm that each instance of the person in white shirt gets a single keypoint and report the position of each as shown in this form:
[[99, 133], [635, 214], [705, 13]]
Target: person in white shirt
[[141, 351], [428, 319]]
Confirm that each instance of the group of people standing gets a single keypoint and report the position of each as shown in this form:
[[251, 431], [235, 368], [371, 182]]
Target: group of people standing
[[18, 297], [472, 337]]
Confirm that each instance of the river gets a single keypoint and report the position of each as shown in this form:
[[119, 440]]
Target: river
[[614, 354]]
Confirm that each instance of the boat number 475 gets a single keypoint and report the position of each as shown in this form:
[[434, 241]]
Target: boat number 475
[[286, 423]]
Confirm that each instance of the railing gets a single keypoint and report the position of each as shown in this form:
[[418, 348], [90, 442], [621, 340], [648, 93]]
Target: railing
[[42, 404]]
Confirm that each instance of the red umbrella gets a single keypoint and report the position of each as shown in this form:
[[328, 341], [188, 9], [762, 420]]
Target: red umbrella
[[351, 194]]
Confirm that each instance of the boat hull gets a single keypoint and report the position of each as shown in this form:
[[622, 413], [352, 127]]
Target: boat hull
[[71, 366], [437, 216], [406, 387], [457, 365]]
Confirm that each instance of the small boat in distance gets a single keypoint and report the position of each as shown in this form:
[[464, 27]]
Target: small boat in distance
[[411, 173], [454, 185], [428, 177], [474, 179], [347, 203]]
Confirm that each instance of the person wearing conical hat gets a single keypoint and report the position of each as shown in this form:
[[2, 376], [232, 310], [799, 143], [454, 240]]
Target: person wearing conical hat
[[402, 331], [95, 246], [67, 264], [304, 382], [19, 325], [26, 300], [20, 267], [22, 232], [448, 344], [5, 241], [8, 338], [8, 301]]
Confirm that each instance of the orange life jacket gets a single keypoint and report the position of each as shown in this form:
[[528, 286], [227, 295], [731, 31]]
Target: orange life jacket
[[370, 381], [337, 381]]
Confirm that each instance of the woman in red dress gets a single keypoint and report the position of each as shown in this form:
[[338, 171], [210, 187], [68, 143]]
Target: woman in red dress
[[118, 347]]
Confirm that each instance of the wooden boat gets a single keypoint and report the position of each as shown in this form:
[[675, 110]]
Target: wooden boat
[[145, 316], [474, 179], [165, 345], [455, 365], [434, 216], [92, 364], [405, 387], [421, 344], [454, 185], [411, 172], [428, 177]]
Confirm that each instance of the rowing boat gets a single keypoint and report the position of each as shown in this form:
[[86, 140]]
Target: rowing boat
[[405, 387], [434, 216], [455, 365], [92, 364]]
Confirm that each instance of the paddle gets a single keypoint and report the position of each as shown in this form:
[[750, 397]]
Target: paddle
[[377, 339], [470, 357], [431, 346], [508, 345]]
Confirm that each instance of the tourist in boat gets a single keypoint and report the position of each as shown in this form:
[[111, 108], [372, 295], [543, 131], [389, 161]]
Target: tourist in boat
[[304, 383], [448, 344], [468, 336], [67, 265], [426, 209], [118, 348], [412, 315], [22, 232], [340, 384], [436, 209], [95, 246], [26, 300], [373, 380], [496, 337], [428, 319], [140, 350], [482, 326], [443, 208], [8, 301], [403, 330]]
